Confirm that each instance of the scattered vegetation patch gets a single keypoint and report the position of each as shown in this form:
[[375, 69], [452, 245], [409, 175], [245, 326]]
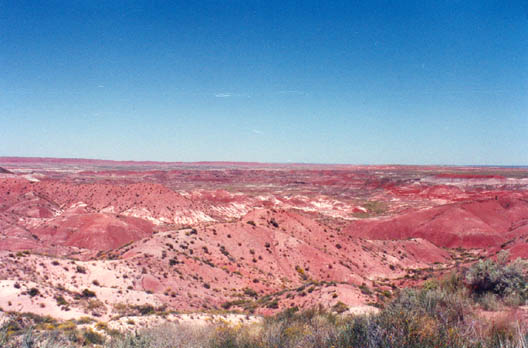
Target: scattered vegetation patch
[[61, 301], [444, 313], [91, 337], [374, 208], [250, 292], [365, 289], [87, 293]]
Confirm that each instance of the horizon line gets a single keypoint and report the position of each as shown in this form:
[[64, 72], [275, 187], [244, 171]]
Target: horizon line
[[29, 159]]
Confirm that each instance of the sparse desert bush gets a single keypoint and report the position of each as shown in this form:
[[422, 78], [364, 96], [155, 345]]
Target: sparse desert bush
[[340, 307], [250, 292], [101, 325], [94, 304], [500, 278], [61, 301], [33, 292], [441, 314], [87, 293], [273, 304], [145, 309], [274, 223], [489, 301], [67, 326], [30, 338], [166, 336], [91, 337], [301, 272], [85, 320], [365, 289]]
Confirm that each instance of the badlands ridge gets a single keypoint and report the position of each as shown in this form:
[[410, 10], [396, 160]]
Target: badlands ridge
[[113, 239]]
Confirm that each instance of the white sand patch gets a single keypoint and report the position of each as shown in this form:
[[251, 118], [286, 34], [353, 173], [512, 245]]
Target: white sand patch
[[361, 310], [194, 319], [17, 299], [188, 217], [144, 213], [233, 210]]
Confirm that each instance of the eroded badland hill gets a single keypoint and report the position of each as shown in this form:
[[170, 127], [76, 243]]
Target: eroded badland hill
[[107, 240]]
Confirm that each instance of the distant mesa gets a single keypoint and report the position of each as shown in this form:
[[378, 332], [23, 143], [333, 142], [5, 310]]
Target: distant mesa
[[4, 171]]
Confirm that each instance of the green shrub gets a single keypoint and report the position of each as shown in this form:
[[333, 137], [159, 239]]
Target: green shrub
[[506, 280], [87, 293], [146, 309], [250, 292], [365, 289], [61, 301]]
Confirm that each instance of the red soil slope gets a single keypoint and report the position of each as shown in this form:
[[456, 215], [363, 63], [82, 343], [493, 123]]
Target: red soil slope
[[477, 224], [93, 231]]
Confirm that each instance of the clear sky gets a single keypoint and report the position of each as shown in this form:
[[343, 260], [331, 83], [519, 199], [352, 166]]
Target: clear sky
[[363, 82]]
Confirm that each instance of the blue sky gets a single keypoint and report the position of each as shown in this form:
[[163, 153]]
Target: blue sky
[[363, 82]]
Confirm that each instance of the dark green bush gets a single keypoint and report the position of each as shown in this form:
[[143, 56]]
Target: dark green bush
[[33, 292], [88, 293]]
